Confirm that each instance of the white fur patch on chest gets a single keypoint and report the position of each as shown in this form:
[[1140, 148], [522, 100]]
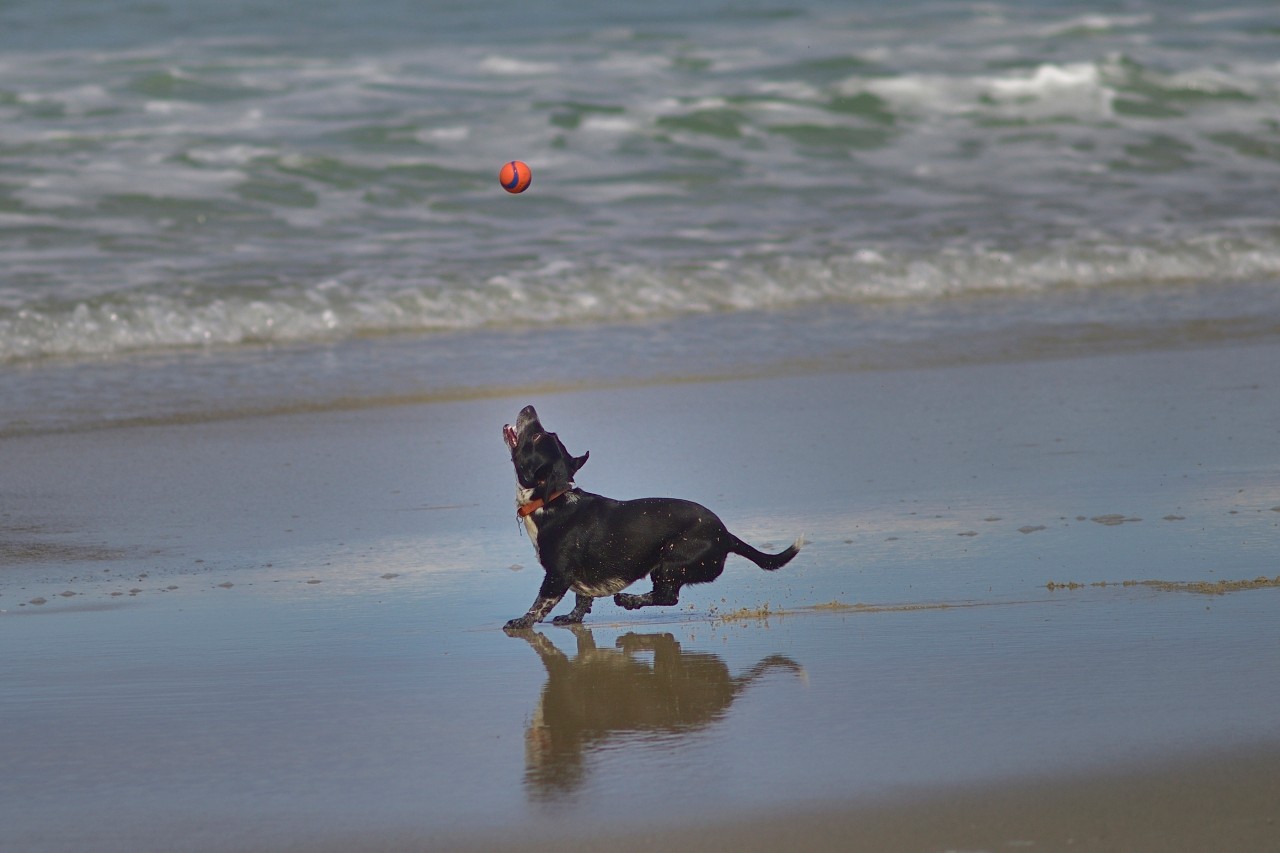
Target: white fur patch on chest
[[531, 527], [523, 498]]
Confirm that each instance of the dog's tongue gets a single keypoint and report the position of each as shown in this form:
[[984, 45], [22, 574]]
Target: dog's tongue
[[509, 433]]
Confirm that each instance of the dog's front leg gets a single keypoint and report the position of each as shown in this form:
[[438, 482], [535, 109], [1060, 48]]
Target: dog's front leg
[[581, 607], [553, 589]]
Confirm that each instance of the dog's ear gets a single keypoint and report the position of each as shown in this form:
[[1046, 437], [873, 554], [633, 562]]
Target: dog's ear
[[557, 474], [573, 462]]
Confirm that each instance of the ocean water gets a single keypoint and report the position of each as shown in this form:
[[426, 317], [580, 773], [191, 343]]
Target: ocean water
[[240, 207]]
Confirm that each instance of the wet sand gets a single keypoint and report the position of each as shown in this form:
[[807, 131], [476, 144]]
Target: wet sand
[[1221, 803], [1038, 608]]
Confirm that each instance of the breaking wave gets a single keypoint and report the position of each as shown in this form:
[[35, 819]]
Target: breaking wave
[[565, 293]]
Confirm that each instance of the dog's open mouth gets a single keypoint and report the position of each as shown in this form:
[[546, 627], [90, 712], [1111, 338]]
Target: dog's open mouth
[[528, 415]]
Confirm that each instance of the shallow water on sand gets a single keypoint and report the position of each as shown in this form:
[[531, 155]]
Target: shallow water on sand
[[326, 714], [313, 649]]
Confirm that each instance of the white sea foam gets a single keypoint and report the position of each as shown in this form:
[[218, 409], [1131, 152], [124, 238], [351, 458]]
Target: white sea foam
[[77, 100], [1095, 23], [231, 155], [933, 92], [1046, 80], [510, 66], [1075, 89], [456, 133], [1210, 81], [150, 177], [791, 89], [562, 291], [609, 124]]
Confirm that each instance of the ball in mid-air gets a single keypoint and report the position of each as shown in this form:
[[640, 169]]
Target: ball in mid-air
[[515, 177]]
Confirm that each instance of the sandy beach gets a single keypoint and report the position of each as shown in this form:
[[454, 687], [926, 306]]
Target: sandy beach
[[283, 632], [1226, 802]]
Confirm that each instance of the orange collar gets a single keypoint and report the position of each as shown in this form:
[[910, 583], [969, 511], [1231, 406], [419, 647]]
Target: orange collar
[[538, 503]]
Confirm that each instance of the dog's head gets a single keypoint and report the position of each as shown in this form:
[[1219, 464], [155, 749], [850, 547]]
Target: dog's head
[[543, 465]]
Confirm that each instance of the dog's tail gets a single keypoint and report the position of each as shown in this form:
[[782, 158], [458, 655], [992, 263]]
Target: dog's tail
[[768, 562]]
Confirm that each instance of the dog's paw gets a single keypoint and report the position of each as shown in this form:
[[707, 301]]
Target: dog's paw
[[567, 619], [627, 601], [524, 623]]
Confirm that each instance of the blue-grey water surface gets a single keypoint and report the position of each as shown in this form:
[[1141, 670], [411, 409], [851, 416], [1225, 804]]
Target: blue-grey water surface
[[223, 207]]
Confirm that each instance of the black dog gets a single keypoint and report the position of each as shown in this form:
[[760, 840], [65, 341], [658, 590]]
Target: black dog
[[597, 546]]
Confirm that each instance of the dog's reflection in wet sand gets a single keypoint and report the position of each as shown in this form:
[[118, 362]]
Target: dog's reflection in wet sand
[[602, 694]]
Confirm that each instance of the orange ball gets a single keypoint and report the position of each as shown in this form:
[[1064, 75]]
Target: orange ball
[[515, 177]]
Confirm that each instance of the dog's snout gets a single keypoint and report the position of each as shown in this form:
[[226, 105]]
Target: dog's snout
[[527, 416]]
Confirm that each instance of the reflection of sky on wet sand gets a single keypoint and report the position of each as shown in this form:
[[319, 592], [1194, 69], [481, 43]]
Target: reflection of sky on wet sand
[[353, 676], [320, 709]]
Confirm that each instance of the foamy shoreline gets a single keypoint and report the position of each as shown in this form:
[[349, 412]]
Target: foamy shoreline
[[211, 383]]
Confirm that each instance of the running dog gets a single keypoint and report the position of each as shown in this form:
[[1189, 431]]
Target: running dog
[[598, 546]]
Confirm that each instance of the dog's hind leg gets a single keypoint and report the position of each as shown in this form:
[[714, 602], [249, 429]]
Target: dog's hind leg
[[581, 607], [685, 561], [627, 601], [666, 592]]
